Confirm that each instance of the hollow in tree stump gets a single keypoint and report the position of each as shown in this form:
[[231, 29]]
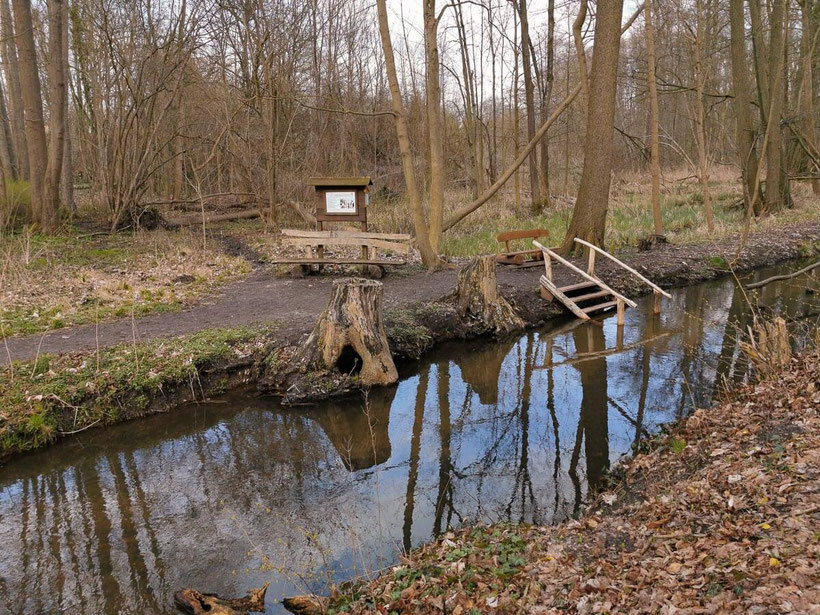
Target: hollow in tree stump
[[478, 297], [351, 323], [194, 602]]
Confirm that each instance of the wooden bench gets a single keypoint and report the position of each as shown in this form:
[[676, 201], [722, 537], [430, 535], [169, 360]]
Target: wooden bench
[[520, 258], [314, 243]]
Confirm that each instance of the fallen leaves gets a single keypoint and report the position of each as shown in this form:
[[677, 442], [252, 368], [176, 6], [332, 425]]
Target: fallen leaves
[[724, 516]]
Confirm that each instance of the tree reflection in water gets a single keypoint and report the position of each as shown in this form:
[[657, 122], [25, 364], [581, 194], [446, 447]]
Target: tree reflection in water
[[227, 496]]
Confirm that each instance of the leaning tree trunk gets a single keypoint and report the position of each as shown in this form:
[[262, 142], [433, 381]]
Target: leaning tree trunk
[[478, 297], [196, 603], [352, 320]]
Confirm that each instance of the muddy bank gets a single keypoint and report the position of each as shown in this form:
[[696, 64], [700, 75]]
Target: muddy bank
[[64, 396]]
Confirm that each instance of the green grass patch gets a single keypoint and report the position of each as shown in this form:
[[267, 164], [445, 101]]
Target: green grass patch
[[43, 399]]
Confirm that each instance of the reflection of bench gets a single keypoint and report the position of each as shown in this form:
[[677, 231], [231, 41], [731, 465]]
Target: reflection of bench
[[314, 243], [520, 258]]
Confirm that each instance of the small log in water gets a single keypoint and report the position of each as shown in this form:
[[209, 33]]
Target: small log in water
[[193, 602], [306, 605], [352, 319], [785, 276], [478, 297]]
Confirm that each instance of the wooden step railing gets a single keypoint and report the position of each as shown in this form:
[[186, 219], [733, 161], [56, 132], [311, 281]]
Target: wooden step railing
[[593, 249]]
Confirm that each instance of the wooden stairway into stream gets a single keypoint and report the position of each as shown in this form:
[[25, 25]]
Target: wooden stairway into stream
[[590, 296]]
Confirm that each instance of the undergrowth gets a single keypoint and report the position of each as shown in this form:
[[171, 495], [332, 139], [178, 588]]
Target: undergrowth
[[52, 396]]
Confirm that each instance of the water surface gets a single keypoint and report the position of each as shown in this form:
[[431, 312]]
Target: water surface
[[225, 496]]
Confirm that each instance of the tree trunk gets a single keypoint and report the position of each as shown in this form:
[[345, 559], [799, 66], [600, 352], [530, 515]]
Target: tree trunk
[[196, 603], [428, 256], [589, 215], [67, 175], [33, 103], [654, 119], [808, 46], [6, 139], [700, 119], [777, 191], [352, 320], [747, 152], [56, 124], [434, 126], [581, 54], [12, 70], [529, 97], [478, 297]]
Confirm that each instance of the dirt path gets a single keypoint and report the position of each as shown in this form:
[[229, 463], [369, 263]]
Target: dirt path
[[296, 303]]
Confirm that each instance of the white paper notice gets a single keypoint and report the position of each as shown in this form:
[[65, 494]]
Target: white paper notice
[[341, 202]]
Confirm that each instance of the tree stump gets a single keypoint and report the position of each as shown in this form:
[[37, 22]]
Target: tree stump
[[196, 603], [350, 335], [478, 297]]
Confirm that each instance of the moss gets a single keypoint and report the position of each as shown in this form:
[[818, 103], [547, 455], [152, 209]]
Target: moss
[[46, 398], [718, 262], [406, 334]]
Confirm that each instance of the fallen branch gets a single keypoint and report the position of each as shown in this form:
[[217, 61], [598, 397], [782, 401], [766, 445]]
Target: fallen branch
[[785, 276]]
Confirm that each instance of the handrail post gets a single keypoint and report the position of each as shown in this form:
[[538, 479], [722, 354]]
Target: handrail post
[[591, 267], [657, 306], [548, 265], [620, 306]]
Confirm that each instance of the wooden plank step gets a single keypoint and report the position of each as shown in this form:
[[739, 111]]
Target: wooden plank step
[[556, 292], [587, 297], [600, 306], [578, 286]]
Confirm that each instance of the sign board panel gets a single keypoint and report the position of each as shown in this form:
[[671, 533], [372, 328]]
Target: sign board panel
[[343, 203]]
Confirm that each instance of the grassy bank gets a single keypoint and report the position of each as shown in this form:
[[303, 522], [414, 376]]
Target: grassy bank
[[719, 514], [49, 283], [43, 400]]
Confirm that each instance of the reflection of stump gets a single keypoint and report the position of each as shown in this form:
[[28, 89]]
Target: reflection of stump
[[350, 334], [478, 297], [196, 603]]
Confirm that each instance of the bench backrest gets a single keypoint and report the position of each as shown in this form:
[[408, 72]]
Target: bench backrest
[[394, 242], [509, 236]]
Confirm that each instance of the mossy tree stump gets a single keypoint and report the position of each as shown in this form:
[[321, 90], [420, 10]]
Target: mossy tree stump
[[478, 297], [351, 327]]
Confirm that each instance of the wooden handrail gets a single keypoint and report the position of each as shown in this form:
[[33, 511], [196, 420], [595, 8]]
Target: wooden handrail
[[654, 286], [584, 274]]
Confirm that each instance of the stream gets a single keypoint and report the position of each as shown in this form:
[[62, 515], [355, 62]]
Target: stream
[[227, 495]]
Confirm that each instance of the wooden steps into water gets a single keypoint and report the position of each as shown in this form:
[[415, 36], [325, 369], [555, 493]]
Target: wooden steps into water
[[592, 295]]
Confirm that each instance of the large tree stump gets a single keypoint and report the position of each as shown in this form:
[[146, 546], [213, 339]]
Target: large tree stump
[[478, 297], [350, 335], [194, 602]]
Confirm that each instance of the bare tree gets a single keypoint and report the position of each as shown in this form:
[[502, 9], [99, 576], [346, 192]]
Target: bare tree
[[654, 115], [589, 215], [45, 213], [428, 255]]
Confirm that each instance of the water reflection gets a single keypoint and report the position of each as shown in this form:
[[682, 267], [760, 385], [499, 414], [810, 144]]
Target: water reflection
[[227, 496]]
